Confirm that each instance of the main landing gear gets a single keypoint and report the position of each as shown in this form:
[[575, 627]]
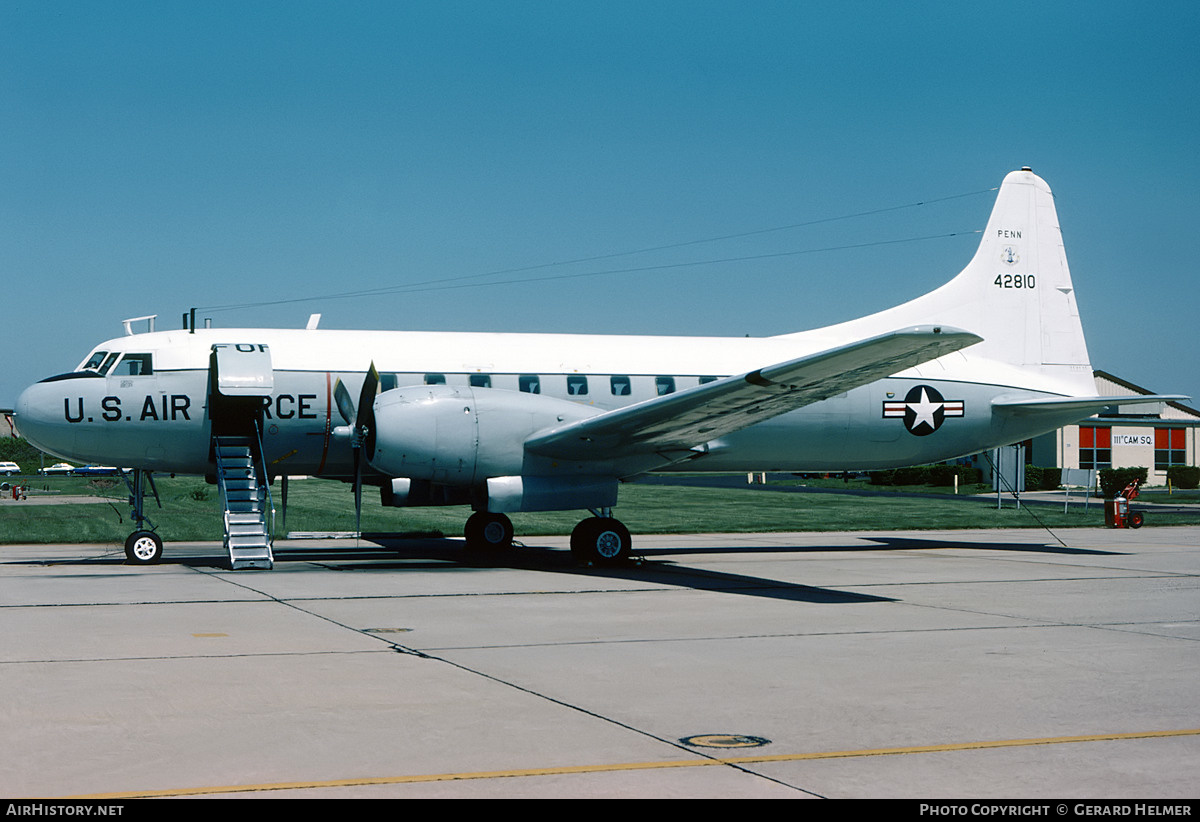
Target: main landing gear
[[486, 531], [142, 547], [598, 540], [601, 540]]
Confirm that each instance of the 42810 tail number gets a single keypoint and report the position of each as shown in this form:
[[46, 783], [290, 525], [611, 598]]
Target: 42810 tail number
[[1015, 281]]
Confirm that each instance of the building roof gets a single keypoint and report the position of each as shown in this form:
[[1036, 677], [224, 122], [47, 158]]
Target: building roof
[[1184, 411]]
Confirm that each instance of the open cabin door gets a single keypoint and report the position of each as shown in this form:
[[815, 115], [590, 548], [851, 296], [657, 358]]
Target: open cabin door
[[240, 378]]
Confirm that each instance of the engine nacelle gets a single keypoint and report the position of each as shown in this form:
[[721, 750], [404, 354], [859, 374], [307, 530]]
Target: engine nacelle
[[459, 435]]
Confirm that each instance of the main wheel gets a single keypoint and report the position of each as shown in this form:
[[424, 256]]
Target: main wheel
[[143, 548], [489, 532], [601, 540]]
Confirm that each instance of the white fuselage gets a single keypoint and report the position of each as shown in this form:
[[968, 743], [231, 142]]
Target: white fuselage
[[156, 400], [161, 421]]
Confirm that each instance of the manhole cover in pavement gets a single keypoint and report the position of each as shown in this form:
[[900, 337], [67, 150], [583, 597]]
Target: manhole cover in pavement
[[725, 741]]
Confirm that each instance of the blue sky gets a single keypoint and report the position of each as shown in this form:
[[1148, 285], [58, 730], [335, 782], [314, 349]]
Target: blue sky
[[163, 155]]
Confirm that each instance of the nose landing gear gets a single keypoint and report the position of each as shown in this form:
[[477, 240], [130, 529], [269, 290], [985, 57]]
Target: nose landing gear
[[142, 547]]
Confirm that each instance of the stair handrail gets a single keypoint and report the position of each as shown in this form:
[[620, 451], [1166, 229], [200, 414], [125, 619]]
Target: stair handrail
[[221, 489], [260, 468]]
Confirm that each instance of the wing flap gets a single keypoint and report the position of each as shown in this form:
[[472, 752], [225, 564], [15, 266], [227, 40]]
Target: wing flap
[[698, 415]]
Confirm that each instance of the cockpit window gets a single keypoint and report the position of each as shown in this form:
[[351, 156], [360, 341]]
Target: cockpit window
[[95, 361], [133, 365], [108, 362]]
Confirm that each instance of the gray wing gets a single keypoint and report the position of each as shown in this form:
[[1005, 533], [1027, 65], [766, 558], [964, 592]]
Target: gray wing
[[698, 415]]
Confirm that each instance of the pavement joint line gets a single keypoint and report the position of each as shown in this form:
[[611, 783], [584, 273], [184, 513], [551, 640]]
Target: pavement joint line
[[636, 766]]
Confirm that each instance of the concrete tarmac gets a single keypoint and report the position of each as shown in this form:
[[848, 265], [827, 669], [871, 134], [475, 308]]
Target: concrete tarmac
[[954, 664]]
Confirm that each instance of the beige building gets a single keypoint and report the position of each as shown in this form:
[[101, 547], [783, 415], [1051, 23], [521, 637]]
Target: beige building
[[1153, 437]]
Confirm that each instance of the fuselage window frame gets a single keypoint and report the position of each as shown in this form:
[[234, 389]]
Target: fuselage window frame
[[131, 365], [108, 363]]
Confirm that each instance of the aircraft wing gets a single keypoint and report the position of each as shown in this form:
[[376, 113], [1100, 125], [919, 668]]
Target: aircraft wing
[[698, 415]]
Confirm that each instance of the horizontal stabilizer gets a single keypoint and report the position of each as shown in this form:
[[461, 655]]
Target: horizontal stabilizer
[[698, 415], [1086, 406]]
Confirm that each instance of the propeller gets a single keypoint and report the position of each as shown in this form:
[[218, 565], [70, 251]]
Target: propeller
[[361, 418]]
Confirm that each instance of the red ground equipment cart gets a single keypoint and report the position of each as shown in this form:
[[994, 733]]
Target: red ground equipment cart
[[1116, 510]]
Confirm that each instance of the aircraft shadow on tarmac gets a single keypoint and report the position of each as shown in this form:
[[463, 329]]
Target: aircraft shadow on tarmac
[[433, 554], [379, 552], [396, 554], [888, 544], [908, 543]]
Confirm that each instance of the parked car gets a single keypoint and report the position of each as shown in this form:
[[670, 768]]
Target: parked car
[[95, 470], [9, 468], [58, 468]]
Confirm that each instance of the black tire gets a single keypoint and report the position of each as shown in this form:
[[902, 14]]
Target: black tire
[[601, 540], [1136, 519], [143, 548], [486, 531]]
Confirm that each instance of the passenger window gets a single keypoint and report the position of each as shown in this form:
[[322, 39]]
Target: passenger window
[[704, 380], [387, 382], [530, 383], [577, 385], [481, 380], [664, 385], [620, 386], [435, 379], [134, 365]]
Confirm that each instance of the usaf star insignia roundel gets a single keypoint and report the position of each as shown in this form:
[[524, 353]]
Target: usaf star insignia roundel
[[923, 410]]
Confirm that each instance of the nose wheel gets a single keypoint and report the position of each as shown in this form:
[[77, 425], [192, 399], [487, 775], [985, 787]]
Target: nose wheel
[[143, 547]]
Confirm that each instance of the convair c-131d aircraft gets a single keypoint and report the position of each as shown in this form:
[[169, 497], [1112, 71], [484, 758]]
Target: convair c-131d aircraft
[[545, 422]]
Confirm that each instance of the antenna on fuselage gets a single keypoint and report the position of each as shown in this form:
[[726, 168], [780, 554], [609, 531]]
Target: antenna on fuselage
[[189, 322], [149, 319]]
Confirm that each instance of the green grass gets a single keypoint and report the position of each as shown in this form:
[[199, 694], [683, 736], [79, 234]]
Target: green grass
[[191, 512]]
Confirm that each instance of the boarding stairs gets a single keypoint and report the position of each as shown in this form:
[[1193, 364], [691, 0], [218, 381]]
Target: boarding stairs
[[246, 500]]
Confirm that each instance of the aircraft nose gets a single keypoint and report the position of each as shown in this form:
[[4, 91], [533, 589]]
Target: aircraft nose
[[34, 416]]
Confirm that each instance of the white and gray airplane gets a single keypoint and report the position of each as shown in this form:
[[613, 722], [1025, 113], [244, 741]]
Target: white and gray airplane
[[542, 422]]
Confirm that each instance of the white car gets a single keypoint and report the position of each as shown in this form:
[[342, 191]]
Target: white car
[[58, 468], [9, 468]]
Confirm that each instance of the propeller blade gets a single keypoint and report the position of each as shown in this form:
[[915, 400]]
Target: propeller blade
[[366, 396], [364, 433], [358, 492], [345, 405], [364, 421]]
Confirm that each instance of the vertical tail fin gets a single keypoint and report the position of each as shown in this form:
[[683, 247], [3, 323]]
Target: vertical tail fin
[[1023, 289], [1016, 292]]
